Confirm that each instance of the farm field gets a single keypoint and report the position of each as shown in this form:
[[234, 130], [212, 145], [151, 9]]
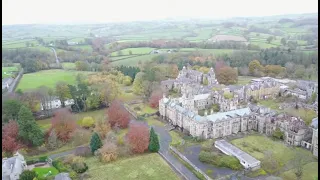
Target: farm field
[[142, 167], [47, 78], [83, 47], [68, 65], [134, 60], [144, 50], [280, 152], [7, 71], [202, 34]]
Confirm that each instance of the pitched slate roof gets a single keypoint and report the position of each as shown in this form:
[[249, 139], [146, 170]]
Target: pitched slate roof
[[233, 113], [201, 96]]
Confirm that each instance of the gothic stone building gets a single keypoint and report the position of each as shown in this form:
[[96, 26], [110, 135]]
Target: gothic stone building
[[221, 124], [189, 76]]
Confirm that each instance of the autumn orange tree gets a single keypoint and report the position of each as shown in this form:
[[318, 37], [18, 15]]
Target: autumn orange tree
[[118, 115], [9, 137], [155, 98], [227, 75], [138, 137], [64, 124]]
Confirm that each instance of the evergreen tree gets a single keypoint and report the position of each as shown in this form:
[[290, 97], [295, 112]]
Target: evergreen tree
[[154, 145], [95, 142], [29, 130]]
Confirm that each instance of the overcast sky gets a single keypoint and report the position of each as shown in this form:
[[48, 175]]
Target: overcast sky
[[77, 11]]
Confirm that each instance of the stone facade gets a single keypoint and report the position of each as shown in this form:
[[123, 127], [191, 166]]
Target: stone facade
[[222, 124], [315, 142]]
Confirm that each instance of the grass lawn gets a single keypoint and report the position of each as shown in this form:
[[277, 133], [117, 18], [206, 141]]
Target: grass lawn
[[145, 109], [47, 78], [243, 80], [68, 65], [310, 172], [153, 121], [142, 50], [256, 145], [46, 123], [41, 171], [176, 139], [7, 71], [146, 166], [127, 97], [270, 103]]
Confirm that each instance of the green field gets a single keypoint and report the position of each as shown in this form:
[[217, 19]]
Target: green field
[[8, 71], [83, 47], [144, 50], [281, 153], [68, 65], [142, 167], [134, 60], [47, 78]]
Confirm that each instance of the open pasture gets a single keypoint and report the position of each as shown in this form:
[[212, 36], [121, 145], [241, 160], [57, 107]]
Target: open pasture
[[47, 78]]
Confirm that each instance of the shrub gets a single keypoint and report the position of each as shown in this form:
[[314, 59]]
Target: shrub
[[87, 122], [78, 164], [58, 164], [220, 160], [128, 91], [108, 152], [43, 159], [53, 141], [27, 175], [73, 175], [80, 137], [102, 127], [83, 151], [137, 108], [124, 150]]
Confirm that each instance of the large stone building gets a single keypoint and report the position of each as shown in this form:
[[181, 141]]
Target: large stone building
[[266, 88], [190, 77], [222, 124]]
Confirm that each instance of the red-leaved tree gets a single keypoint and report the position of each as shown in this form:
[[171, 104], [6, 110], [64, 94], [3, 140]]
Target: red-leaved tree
[[9, 137], [118, 115], [219, 64], [155, 98], [138, 137], [64, 124]]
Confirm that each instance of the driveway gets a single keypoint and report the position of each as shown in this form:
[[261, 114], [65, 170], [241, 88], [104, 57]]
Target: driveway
[[165, 140]]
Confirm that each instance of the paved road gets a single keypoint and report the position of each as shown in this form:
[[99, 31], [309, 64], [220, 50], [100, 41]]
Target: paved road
[[165, 140], [54, 156], [55, 54]]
